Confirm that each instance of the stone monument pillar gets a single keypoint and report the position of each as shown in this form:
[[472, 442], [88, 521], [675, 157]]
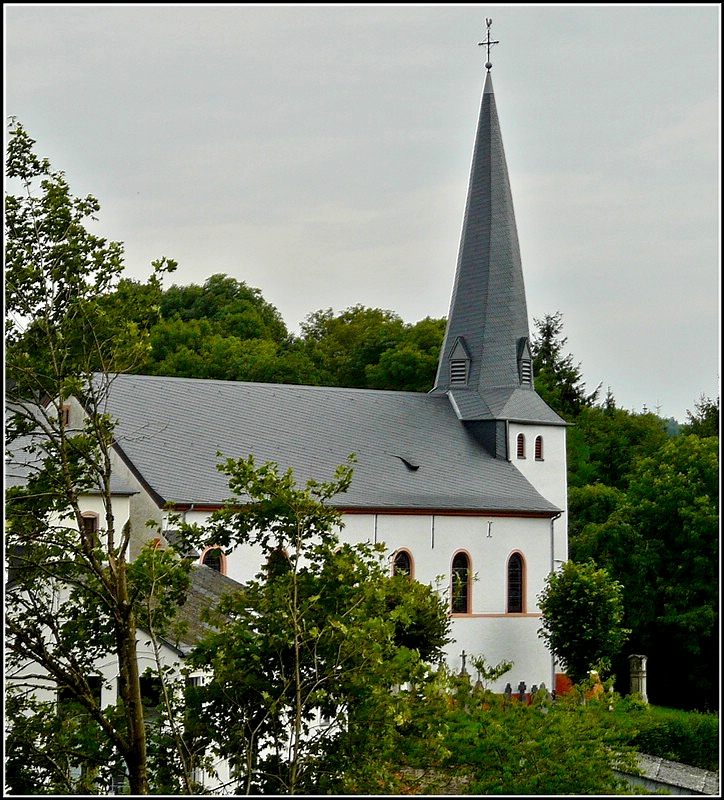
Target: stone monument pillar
[[637, 668]]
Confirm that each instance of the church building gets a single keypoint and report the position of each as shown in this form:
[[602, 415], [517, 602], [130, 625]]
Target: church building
[[465, 485]]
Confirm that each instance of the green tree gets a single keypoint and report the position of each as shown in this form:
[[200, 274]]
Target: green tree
[[234, 308], [307, 655], [343, 347], [410, 365], [605, 443], [557, 379], [704, 420], [662, 544], [73, 600], [582, 611]]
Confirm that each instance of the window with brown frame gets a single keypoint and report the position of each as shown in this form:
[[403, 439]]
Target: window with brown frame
[[90, 523], [520, 446], [539, 448], [460, 589], [213, 558], [402, 563], [515, 584]]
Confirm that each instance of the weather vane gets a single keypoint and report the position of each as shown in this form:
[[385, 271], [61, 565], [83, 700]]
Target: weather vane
[[488, 44]]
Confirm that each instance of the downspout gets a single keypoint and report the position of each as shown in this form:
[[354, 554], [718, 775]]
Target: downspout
[[553, 564], [553, 519]]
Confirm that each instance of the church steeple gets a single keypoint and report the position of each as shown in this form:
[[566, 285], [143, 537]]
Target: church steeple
[[485, 363]]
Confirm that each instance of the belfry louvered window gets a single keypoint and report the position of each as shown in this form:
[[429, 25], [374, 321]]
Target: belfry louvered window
[[526, 372], [515, 584], [459, 371], [460, 589], [525, 362], [459, 361]]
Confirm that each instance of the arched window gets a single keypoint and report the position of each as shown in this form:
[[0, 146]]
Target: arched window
[[90, 522], [515, 584], [460, 584], [539, 448], [521, 446], [214, 558], [402, 563], [278, 563]]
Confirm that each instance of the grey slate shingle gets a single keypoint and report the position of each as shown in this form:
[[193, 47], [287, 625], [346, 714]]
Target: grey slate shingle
[[171, 429]]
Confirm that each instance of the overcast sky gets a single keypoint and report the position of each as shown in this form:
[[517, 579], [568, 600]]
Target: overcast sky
[[320, 153]]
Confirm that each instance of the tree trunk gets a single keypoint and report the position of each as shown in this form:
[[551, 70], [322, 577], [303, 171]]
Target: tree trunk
[[130, 692]]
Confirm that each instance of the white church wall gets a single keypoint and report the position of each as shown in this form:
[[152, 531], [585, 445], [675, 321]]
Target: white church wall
[[432, 541], [548, 476]]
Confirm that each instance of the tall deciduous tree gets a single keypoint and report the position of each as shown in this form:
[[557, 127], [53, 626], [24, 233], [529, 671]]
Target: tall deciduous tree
[[662, 543], [72, 602], [308, 655], [582, 624]]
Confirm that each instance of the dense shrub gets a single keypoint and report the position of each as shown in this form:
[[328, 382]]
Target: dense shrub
[[689, 738]]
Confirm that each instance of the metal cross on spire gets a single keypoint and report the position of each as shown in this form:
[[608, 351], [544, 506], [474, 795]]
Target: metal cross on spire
[[488, 44]]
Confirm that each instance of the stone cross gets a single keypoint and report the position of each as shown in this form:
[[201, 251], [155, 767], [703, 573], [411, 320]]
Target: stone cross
[[464, 656]]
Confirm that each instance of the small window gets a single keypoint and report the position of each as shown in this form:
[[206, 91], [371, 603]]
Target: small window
[[278, 563], [515, 584], [402, 563], [526, 372], [90, 523], [460, 589], [151, 695], [520, 449], [214, 558], [65, 412], [66, 699], [539, 448]]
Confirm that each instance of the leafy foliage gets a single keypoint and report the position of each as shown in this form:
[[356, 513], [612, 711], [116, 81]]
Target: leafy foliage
[[606, 442], [557, 379], [582, 618], [72, 602], [500, 746], [662, 543], [704, 420], [307, 654]]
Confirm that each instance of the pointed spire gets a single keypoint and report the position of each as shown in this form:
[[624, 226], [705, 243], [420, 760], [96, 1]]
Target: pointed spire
[[485, 362], [488, 312]]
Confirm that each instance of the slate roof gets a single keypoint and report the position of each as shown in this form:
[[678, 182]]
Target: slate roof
[[488, 310], [677, 778], [207, 587], [413, 452]]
